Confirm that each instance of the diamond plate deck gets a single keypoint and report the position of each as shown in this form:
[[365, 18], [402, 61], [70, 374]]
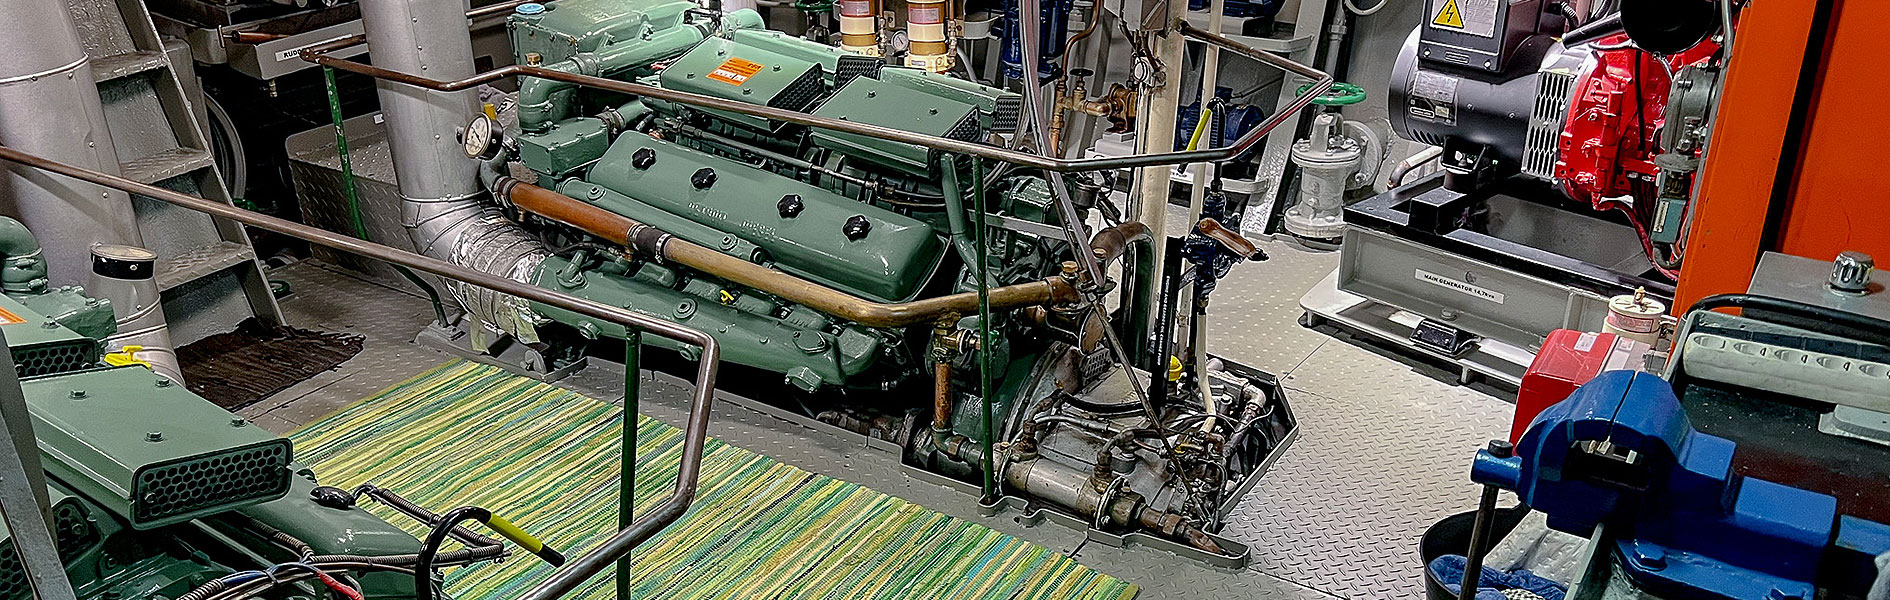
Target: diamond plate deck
[[1384, 449]]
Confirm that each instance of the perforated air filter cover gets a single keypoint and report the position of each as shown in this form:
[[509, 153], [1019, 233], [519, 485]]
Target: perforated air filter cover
[[151, 451]]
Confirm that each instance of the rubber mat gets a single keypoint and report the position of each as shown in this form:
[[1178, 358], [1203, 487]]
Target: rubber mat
[[238, 368], [547, 459]]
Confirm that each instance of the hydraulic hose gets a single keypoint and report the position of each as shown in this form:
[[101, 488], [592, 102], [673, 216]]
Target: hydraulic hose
[[652, 242], [429, 550]]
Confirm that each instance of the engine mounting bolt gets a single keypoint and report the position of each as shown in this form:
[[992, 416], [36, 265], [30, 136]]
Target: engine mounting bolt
[[643, 158], [703, 178], [790, 206], [154, 436], [857, 227]]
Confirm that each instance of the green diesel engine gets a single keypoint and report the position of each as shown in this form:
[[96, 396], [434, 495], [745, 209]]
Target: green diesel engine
[[861, 216], [846, 265]]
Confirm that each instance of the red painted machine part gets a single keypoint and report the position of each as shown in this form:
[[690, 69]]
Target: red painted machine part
[[1567, 360]]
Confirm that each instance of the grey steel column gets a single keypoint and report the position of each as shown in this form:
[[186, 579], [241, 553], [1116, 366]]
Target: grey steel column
[[49, 107], [427, 38]]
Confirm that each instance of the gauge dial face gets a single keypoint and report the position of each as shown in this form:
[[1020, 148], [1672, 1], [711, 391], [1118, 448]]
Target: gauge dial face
[[480, 137]]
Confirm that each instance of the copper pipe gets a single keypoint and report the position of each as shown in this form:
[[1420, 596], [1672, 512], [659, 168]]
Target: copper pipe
[[1108, 244], [942, 397], [652, 242], [1321, 82], [1233, 240]]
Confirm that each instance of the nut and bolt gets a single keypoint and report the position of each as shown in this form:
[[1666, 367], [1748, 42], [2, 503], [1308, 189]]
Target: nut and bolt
[[154, 436]]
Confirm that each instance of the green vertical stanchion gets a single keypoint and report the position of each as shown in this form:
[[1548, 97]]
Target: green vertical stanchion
[[627, 482], [984, 325], [354, 197]]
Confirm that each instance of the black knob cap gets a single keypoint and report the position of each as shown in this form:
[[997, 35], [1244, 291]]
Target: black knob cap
[[332, 497], [703, 179], [790, 206], [857, 227], [1502, 448], [643, 158]]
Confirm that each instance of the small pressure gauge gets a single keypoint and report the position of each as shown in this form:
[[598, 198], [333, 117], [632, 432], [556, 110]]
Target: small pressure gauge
[[481, 138]]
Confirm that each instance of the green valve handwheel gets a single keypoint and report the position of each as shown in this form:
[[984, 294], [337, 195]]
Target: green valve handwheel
[[1340, 94]]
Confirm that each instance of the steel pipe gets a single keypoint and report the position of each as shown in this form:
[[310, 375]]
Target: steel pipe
[[1321, 81], [652, 242], [695, 429]]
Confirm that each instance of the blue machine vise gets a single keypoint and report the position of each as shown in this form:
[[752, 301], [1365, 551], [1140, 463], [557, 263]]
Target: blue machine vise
[[1620, 451]]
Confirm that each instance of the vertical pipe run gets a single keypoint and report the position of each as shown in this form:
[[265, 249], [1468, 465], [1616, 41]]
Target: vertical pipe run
[[984, 328], [353, 194], [627, 478], [1158, 135], [49, 106]]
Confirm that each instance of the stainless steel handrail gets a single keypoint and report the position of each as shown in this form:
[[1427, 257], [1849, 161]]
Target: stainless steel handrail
[[1321, 82], [695, 431]]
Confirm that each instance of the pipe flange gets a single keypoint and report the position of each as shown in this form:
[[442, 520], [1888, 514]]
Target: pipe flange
[[1102, 502]]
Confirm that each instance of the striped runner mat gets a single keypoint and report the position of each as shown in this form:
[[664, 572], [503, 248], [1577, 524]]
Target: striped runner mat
[[546, 458]]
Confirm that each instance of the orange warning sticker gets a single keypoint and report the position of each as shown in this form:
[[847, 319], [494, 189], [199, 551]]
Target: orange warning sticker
[[8, 318], [735, 71]]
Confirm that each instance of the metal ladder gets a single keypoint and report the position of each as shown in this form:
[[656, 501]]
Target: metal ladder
[[207, 270]]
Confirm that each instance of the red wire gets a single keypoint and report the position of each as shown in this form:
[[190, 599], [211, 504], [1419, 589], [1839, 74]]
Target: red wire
[[351, 593]]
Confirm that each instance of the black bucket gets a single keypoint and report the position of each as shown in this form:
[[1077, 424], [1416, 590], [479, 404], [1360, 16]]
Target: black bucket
[[1452, 536]]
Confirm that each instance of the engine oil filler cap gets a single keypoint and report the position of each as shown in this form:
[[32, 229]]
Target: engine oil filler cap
[[703, 178], [790, 206], [857, 227], [643, 159], [530, 8]]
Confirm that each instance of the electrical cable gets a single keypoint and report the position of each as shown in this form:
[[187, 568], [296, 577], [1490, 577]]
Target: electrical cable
[[1836, 318], [1352, 6]]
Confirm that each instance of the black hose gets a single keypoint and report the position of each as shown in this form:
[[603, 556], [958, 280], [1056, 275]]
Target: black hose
[[1837, 319], [429, 549], [1594, 30]]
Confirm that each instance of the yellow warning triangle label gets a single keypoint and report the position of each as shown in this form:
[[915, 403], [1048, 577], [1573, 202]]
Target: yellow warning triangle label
[[1449, 16]]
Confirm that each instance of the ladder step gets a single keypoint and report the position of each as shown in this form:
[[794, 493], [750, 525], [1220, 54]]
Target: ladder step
[[196, 264], [165, 165], [119, 66]]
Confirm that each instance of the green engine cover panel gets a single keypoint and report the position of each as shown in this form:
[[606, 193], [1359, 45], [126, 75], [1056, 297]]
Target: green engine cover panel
[[803, 228], [41, 344], [870, 101], [731, 70], [568, 27], [150, 450]]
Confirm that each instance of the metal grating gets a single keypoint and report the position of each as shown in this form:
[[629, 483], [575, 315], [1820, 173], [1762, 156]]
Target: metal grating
[[73, 530], [49, 359], [1009, 109], [1545, 123], [73, 533], [201, 482], [854, 65], [967, 129], [802, 93]]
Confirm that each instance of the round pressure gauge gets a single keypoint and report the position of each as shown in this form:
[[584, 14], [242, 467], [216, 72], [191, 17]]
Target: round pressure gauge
[[481, 138]]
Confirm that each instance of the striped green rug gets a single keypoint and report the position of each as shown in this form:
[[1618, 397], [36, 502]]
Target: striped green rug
[[546, 458]]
